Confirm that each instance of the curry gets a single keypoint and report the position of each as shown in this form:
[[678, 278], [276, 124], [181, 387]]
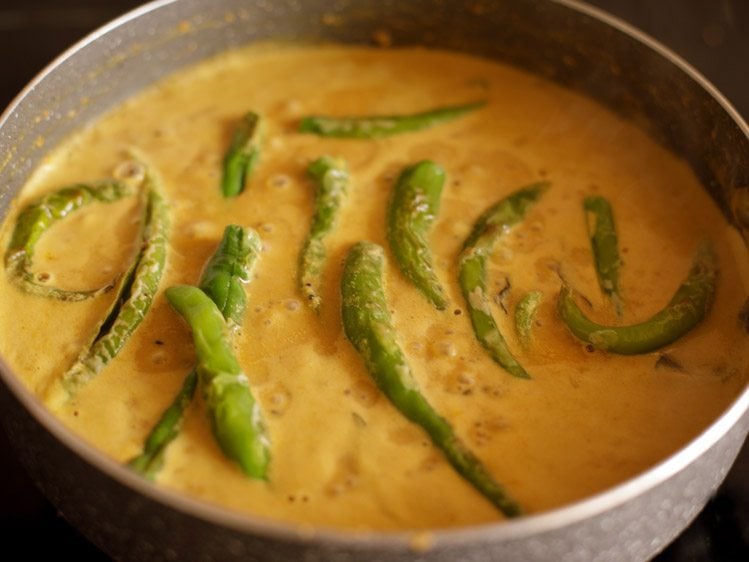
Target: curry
[[342, 451]]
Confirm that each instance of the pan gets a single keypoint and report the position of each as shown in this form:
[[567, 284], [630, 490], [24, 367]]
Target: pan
[[565, 41]]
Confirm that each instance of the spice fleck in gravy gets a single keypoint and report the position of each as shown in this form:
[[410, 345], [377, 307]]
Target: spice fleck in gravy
[[341, 455]]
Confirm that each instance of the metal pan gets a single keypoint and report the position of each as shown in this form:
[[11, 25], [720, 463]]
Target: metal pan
[[574, 45]]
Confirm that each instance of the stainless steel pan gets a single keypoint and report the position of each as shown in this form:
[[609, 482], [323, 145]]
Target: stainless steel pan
[[576, 46]]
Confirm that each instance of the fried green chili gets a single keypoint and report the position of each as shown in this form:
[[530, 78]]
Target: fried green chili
[[525, 315], [229, 267], [376, 126], [472, 270], [137, 297], [368, 326], [150, 461], [242, 155], [605, 245], [331, 178], [413, 207], [684, 311], [235, 415], [37, 218]]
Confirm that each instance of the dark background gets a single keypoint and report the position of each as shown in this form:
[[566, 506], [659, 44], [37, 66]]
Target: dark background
[[713, 35]]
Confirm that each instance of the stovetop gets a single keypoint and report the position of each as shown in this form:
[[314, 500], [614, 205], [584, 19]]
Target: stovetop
[[713, 35]]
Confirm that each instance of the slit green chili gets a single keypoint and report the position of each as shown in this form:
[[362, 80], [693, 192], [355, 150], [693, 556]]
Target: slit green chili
[[242, 156], [229, 269], [331, 178], [683, 312], [605, 245], [479, 245], [235, 415], [376, 126], [223, 276], [37, 218], [150, 461], [368, 327], [138, 298], [412, 210]]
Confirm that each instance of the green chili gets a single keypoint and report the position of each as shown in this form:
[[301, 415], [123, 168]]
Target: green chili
[[37, 218], [150, 461], [331, 177], [368, 326], [242, 156], [138, 297], [375, 126], [413, 207], [605, 245], [235, 415], [684, 311], [472, 271], [229, 267]]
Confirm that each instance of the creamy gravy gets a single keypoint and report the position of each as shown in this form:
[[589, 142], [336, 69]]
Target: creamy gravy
[[342, 456]]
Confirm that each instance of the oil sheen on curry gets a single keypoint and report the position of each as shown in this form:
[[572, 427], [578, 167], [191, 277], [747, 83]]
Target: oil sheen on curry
[[373, 289]]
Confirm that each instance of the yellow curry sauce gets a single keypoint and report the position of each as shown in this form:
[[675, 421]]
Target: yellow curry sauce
[[342, 456]]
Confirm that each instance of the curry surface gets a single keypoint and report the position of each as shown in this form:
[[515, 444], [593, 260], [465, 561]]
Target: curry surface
[[342, 456]]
